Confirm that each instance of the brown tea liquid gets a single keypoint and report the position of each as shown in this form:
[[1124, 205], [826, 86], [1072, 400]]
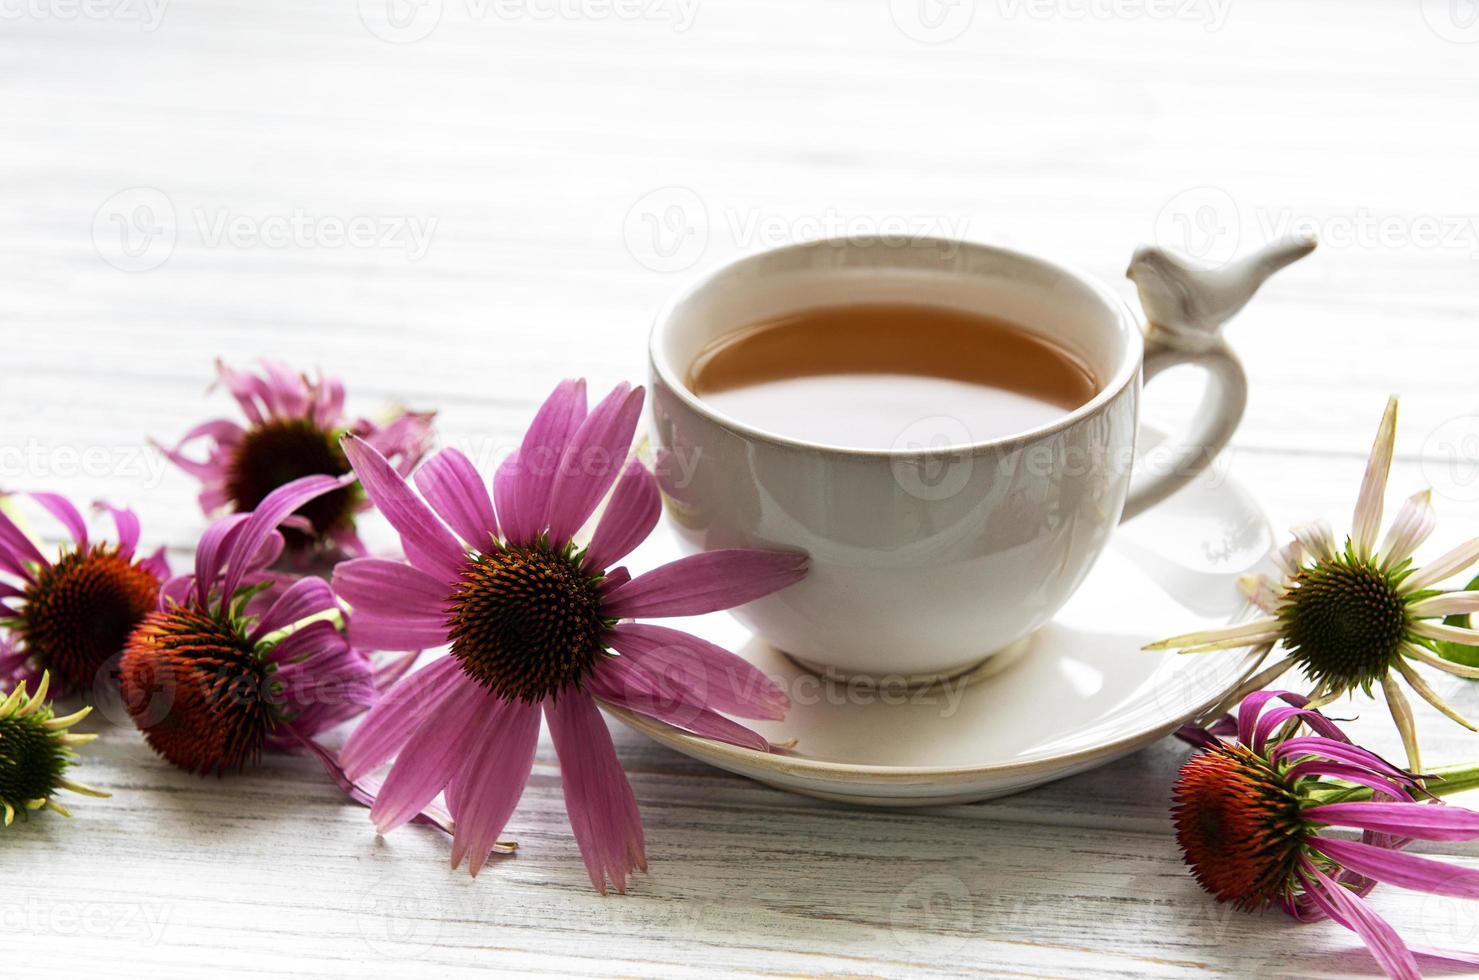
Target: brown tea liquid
[[861, 376]]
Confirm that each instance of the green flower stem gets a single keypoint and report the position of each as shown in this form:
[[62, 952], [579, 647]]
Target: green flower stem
[[1442, 781]]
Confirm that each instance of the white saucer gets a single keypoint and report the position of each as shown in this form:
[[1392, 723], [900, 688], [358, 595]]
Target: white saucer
[[1077, 694]]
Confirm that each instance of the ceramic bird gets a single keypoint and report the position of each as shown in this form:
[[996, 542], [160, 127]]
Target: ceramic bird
[[1188, 306]]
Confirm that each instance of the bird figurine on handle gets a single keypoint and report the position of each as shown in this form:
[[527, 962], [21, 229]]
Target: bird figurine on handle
[[1186, 307]]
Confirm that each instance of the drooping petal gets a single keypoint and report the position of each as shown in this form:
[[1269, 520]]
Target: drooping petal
[[499, 759], [1292, 748], [1289, 558], [1422, 821], [705, 583], [306, 597], [1353, 913], [1446, 633], [1366, 523], [592, 461], [1415, 521], [61, 508], [598, 799], [452, 487], [630, 516], [263, 521], [1397, 868], [1444, 604], [618, 681], [726, 682], [1239, 634], [1416, 682], [430, 757], [397, 715], [427, 540], [1422, 655], [18, 542], [126, 522], [1262, 591], [521, 487], [1402, 714]]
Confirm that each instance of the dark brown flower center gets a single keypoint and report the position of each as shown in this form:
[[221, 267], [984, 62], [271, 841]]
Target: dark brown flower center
[[197, 690], [80, 611], [32, 760], [1344, 622], [280, 452], [526, 622], [1238, 825]]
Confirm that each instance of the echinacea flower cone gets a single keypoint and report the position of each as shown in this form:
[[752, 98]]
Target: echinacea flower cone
[[538, 628], [70, 615], [1252, 815], [1354, 617], [293, 427], [235, 659], [36, 751]]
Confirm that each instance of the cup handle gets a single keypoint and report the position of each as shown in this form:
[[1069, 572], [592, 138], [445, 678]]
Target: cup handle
[[1179, 461]]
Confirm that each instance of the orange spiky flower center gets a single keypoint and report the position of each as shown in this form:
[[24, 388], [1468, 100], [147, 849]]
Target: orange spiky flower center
[[198, 690], [80, 610], [526, 622], [1239, 825], [280, 451]]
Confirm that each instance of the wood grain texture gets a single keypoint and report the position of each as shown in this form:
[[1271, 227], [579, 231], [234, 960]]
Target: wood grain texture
[[544, 153]]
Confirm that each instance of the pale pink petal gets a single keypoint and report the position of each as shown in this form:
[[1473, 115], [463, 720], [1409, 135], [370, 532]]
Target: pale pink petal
[[500, 756], [1442, 567], [1367, 521], [426, 538], [1414, 523], [1317, 539], [430, 757], [454, 490], [629, 517], [397, 715], [724, 681], [598, 799], [521, 487], [705, 583], [592, 461], [618, 681]]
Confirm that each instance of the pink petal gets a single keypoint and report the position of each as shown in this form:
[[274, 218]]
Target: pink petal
[[499, 759], [397, 715], [127, 524], [522, 485], [454, 490], [1397, 868], [20, 546], [430, 757], [255, 534], [592, 461], [1421, 821], [371, 632], [598, 799], [721, 680], [426, 538], [629, 517], [211, 550], [305, 597], [390, 589], [1378, 935], [61, 508], [626, 685], [705, 583]]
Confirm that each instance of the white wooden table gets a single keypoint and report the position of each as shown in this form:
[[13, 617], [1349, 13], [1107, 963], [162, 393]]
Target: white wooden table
[[571, 169]]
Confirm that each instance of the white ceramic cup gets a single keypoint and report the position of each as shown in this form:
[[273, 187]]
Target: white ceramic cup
[[928, 557]]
